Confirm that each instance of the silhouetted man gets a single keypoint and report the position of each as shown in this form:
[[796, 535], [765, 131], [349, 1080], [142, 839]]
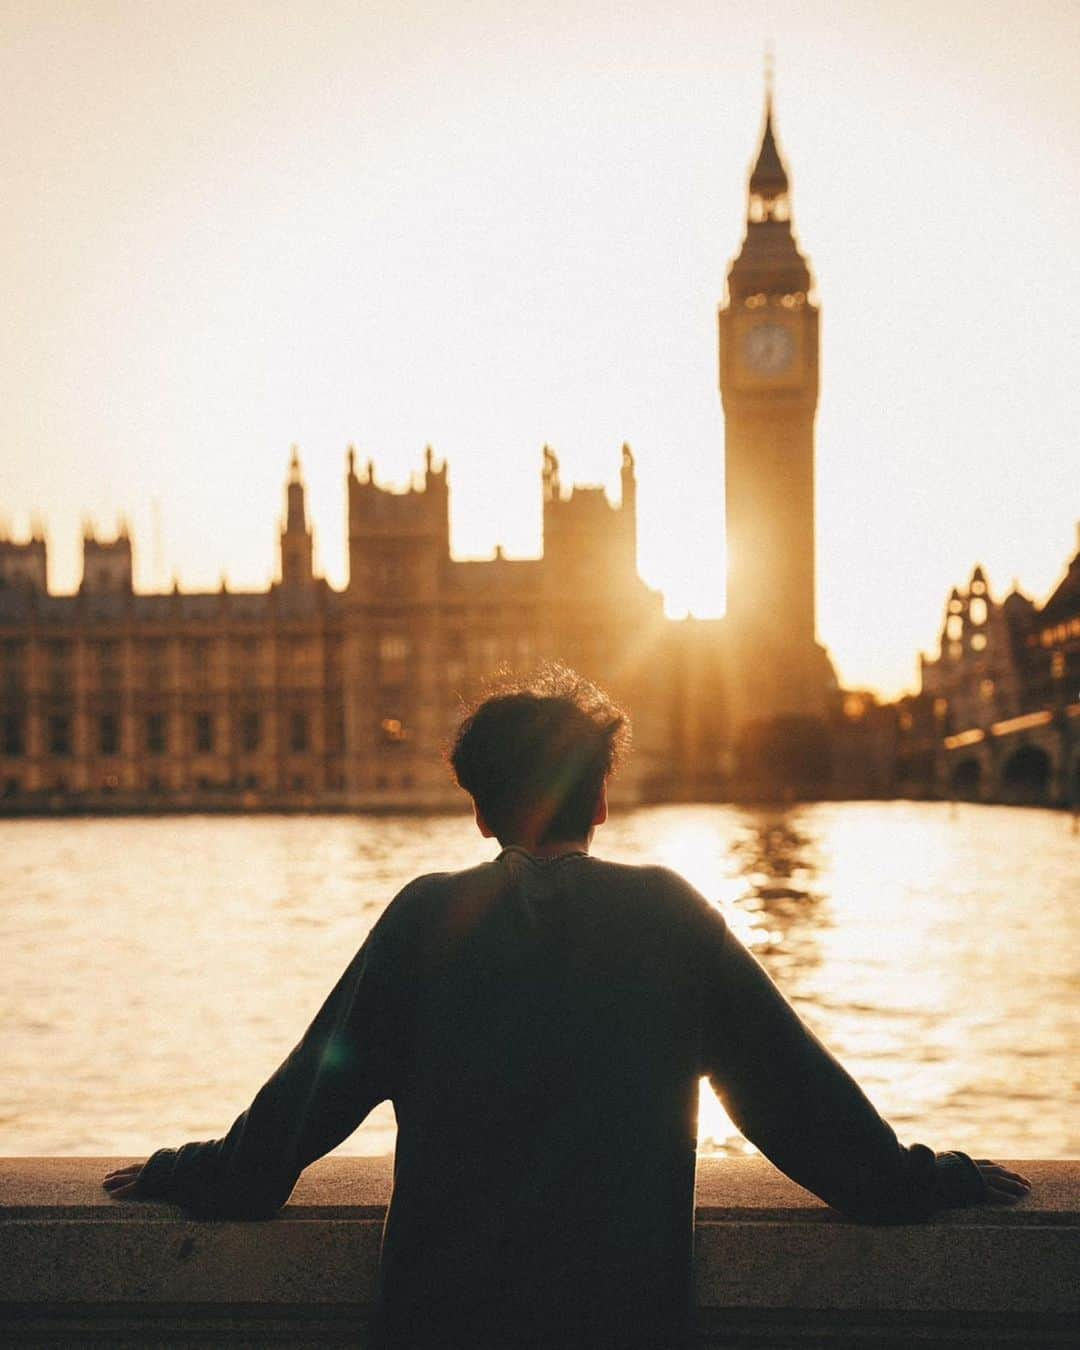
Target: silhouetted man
[[541, 1023]]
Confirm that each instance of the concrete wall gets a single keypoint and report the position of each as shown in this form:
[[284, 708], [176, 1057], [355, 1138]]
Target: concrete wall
[[775, 1268]]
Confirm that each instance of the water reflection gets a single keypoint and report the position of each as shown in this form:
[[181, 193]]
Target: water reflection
[[147, 996]]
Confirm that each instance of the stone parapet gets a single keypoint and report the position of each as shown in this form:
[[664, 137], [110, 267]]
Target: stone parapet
[[775, 1267]]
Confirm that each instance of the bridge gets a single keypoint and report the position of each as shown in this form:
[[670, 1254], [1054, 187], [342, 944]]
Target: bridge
[[1032, 759]]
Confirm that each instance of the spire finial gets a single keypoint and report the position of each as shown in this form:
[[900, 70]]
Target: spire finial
[[770, 74]]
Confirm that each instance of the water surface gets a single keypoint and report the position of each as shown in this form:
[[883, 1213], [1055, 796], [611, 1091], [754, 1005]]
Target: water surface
[[157, 970]]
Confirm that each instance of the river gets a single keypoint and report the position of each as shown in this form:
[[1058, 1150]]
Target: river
[[158, 969]]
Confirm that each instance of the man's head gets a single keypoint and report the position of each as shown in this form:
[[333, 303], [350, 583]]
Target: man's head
[[535, 756]]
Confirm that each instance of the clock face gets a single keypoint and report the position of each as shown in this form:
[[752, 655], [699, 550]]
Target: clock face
[[769, 348]]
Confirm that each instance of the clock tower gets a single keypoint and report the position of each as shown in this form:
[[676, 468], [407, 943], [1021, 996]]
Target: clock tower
[[769, 389]]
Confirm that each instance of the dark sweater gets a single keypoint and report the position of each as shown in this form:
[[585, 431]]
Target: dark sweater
[[541, 1028]]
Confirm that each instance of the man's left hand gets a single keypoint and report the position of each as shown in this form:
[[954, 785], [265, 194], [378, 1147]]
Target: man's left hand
[[123, 1184]]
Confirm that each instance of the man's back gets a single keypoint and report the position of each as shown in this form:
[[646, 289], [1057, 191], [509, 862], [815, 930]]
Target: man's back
[[548, 1099]]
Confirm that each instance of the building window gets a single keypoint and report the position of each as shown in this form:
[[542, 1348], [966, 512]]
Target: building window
[[250, 732], [199, 655], [108, 665], [388, 574], [204, 733], [109, 734], [13, 655], [59, 666], [156, 663], [59, 734], [13, 741], [393, 655], [335, 729], [490, 653], [393, 648], [298, 732], [333, 660], [156, 734], [248, 661]]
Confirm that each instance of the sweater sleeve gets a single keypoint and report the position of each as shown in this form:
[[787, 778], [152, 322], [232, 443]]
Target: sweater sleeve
[[343, 1066], [800, 1107]]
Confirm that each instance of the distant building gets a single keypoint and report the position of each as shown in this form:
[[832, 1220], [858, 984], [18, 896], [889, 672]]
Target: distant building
[[300, 693], [1004, 694], [303, 695], [978, 671]]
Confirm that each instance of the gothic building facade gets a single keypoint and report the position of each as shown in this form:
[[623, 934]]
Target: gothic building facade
[[304, 695], [301, 694]]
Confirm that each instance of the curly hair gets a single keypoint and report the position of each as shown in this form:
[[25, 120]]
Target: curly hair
[[534, 755]]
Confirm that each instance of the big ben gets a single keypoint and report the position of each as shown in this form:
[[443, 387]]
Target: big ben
[[768, 339]]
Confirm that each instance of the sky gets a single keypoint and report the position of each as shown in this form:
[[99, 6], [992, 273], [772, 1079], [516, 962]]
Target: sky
[[229, 227]]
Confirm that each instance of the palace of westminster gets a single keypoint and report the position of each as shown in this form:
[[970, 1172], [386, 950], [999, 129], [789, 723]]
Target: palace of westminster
[[305, 696]]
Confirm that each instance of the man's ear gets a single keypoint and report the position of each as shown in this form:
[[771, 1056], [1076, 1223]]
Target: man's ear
[[600, 814], [482, 825]]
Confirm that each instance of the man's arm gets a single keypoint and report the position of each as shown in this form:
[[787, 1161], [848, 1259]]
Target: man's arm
[[790, 1097], [344, 1065]]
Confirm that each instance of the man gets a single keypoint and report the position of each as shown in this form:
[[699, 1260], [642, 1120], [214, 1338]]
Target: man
[[541, 1023]]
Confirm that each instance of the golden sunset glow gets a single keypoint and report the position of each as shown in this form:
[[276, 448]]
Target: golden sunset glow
[[234, 227]]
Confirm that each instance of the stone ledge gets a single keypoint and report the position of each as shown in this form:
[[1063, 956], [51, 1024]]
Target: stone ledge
[[774, 1266]]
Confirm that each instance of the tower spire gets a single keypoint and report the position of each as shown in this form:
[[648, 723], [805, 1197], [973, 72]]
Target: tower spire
[[768, 195], [769, 178]]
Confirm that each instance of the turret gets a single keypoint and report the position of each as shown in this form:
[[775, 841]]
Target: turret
[[550, 476], [628, 504], [24, 563], [399, 541], [107, 563], [297, 543], [589, 543]]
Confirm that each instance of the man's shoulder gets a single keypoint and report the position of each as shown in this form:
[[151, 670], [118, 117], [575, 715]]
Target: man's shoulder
[[653, 885], [646, 876], [424, 895]]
